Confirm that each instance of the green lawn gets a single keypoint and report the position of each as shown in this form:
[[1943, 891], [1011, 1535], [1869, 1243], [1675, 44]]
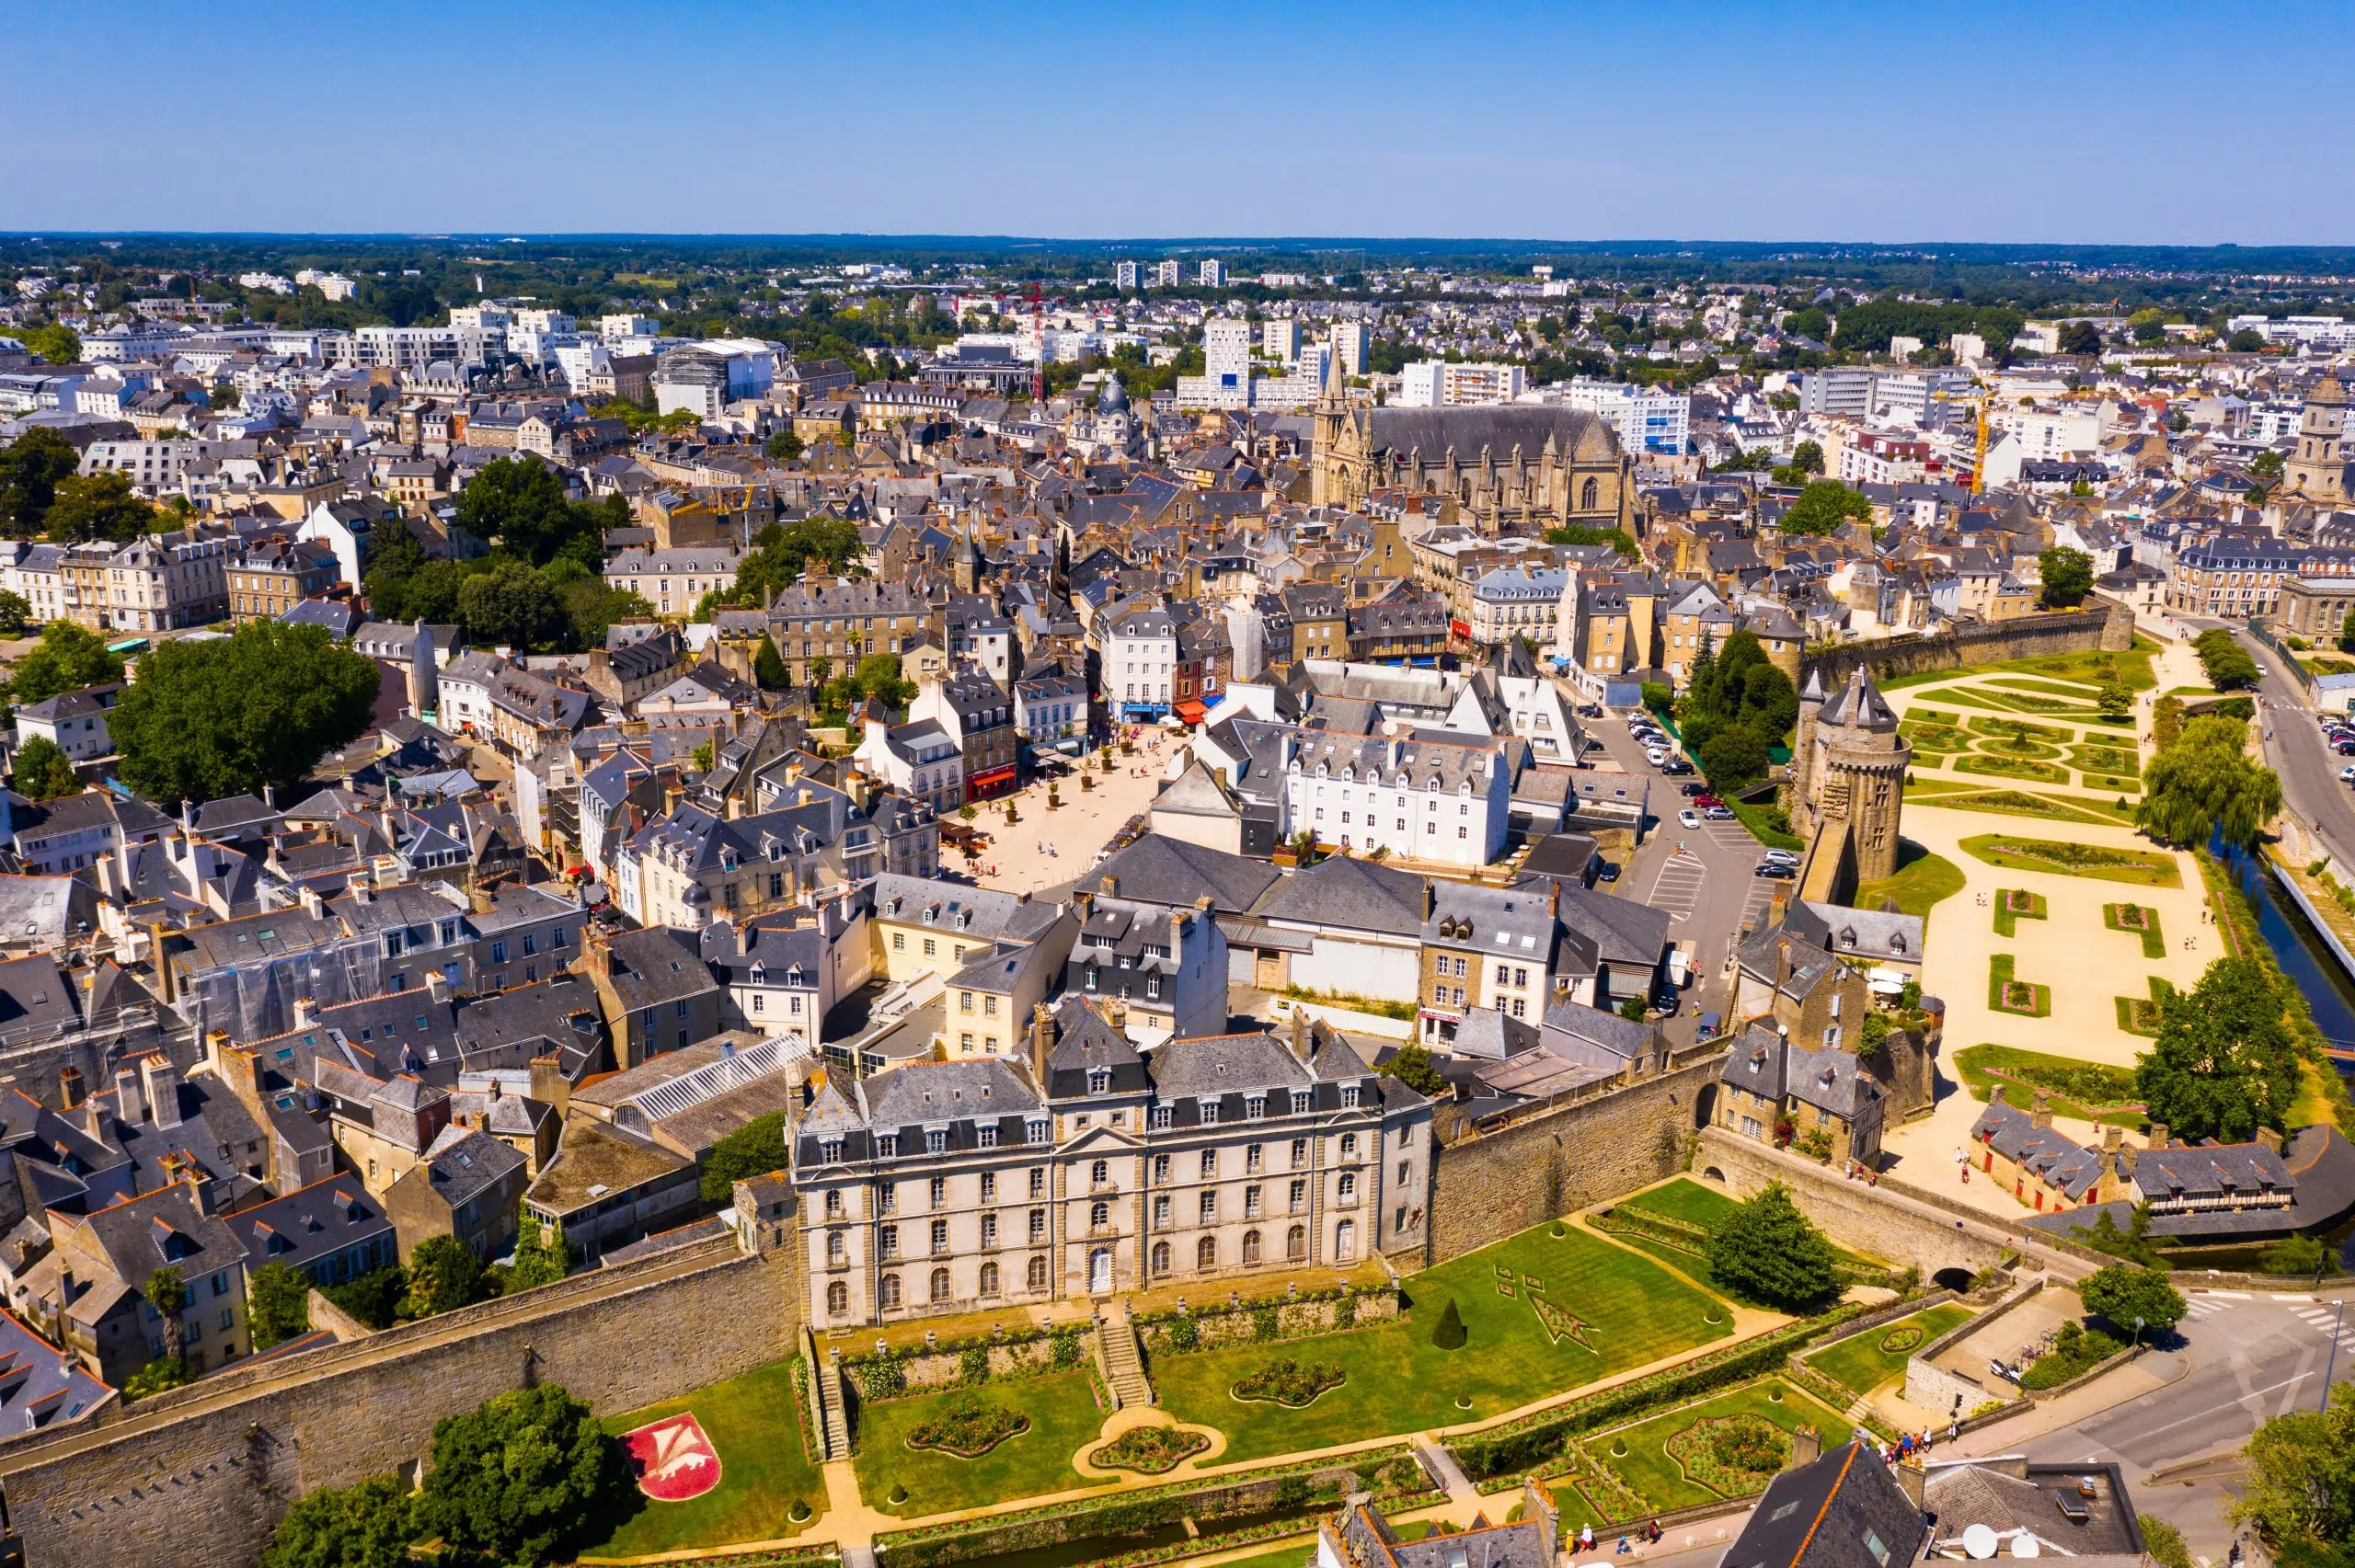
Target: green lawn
[[2143, 868], [1923, 879], [2019, 803], [1860, 1362], [2025, 768], [1299, 1555], [1685, 1199], [1063, 1417], [1399, 1381], [754, 1424], [2151, 934], [1647, 1467], [2079, 1089], [2014, 905], [2002, 975]]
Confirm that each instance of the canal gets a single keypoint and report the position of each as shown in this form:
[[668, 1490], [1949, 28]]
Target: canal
[[2298, 948]]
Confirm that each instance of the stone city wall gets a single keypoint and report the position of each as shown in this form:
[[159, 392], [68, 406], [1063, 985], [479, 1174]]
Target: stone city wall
[[202, 1474], [1851, 1213], [2105, 625], [1489, 1186]]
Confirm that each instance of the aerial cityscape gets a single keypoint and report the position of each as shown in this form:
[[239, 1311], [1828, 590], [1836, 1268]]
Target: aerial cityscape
[[695, 870]]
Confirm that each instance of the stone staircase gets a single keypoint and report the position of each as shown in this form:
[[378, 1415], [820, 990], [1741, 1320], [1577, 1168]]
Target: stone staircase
[[832, 1412], [1124, 1363]]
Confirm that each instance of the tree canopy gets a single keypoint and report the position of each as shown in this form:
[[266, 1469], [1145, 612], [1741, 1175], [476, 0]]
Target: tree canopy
[[2299, 1485], [1824, 505], [443, 1275], [30, 469], [278, 1304], [1736, 705], [519, 504], [366, 1526], [2123, 1292], [67, 659], [518, 1478], [100, 506], [56, 342], [2228, 666], [2205, 780], [1766, 1250], [753, 1150], [207, 719], [2225, 1062], [2067, 574], [43, 772]]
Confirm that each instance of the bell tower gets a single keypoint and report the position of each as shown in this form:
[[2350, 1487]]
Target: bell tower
[[2319, 472]]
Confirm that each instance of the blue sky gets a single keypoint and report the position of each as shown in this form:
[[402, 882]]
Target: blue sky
[[2158, 122]]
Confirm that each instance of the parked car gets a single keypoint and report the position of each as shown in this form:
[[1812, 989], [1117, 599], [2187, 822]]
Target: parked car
[[1688, 820], [1776, 870], [1695, 788], [1782, 857], [1591, 710], [1720, 814], [2347, 773], [1705, 800], [1607, 871], [1655, 756], [1676, 767]]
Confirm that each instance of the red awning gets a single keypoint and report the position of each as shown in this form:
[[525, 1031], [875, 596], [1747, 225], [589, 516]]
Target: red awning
[[1192, 711]]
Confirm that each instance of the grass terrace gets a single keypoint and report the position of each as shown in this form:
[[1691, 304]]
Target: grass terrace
[[1864, 1362], [2140, 1014], [1545, 1312], [754, 1424], [1063, 1419], [2081, 1090], [1922, 881]]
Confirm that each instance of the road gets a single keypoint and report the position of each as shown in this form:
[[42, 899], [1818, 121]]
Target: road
[[1702, 876], [2309, 769]]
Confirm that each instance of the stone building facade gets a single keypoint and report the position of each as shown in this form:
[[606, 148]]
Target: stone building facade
[[1092, 1168], [1510, 469]]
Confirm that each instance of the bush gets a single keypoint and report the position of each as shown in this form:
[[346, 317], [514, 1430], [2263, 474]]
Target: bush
[[973, 1364], [1448, 1332], [1063, 1350], [969, 1428], [1184, 1333], [2296, 1254], [1767, 1250], [1292, 1382], [366, 1526]]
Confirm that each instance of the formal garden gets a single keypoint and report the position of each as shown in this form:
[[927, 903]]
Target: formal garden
[[2007, 992], [1729, 1446], [2014, 905], [770, 1486], [960, 1448], [2150, 867], [1545, 1310], [1863, 1362], [2139, 920], [2085, 1090], [2140, 1014]]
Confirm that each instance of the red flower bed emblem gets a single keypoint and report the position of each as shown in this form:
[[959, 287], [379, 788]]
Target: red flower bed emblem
[[673, 1459]]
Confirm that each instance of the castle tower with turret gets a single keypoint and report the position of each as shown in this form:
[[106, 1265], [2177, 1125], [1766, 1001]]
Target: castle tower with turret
[[1848, 767]]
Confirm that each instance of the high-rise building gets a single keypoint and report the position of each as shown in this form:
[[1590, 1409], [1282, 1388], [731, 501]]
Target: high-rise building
[[1440, 383], [1124, 274], [1353, 344], [1214, 274], [1165, 275], [1281, 338]]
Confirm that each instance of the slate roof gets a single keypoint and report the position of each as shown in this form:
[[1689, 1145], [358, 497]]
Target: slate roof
[[1843, 1511], [1157, 869], [40, 1385], [311, 1223], [2042, 1151], [1347, 892]]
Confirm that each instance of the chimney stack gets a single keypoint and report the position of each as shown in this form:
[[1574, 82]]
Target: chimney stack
[[1042, 1041], [1807, 1447], [165, 986], [2157, 1138], [162, 1081], [127, 1104], [549, 1085], [1909, 1477], [305, 1009], [437, 984], [2040, 1108], [69, 1088]]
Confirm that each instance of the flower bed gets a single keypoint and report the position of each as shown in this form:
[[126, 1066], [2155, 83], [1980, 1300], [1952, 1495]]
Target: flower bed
[[2005, 994], [1905, 1336], [1290, 1382], [2014, 905], [969, 1428], [1505, 1453], [1732, 1455], [2141, 921], [1149, 1450]]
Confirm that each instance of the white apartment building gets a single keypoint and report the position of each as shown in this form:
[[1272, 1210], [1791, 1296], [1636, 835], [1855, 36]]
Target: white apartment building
[[1517, 602], [1427, 800], [1213, 275], [1437, 384], [1648, 418], [621, 329], [1226, 381], [1166, 274], [1124, 274], [2042, 434], [1281, 338], [1140, 657], [405, 348]]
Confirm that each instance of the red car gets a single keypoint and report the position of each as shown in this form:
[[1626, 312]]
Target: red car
[[1705, 801]]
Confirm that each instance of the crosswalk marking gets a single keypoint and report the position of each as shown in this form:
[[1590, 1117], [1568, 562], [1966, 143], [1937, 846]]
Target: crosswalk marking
[[2204, 1306]]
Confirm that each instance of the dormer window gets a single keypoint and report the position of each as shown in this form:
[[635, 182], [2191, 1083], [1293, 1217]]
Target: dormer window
[[1035, 1131], [931, 915], [887, 1146], [830, 1150], [936, 1140], [1099, 1080], [1208, 1111], [1348, 1096], [1254, 1106]]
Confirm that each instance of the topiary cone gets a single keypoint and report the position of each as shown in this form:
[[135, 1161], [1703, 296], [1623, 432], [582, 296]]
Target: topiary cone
[[1448, 1332]]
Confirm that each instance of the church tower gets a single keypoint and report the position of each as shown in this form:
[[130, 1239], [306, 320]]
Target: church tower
[[2319, 472]]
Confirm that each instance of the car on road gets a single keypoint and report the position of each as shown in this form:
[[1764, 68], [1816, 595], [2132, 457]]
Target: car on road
[[1688, 820], [1720, 814], [1593, 710], [1776, 870]]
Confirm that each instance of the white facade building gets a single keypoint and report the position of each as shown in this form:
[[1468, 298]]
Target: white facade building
[[1437, 384], [1647, 419], [1426, 800]]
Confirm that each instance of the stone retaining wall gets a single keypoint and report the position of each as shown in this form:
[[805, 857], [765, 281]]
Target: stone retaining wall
[[2105, 625], [1224, 1325], [1935, 1389], [1853, 1214], [202, 1474], [1488, 1186]]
